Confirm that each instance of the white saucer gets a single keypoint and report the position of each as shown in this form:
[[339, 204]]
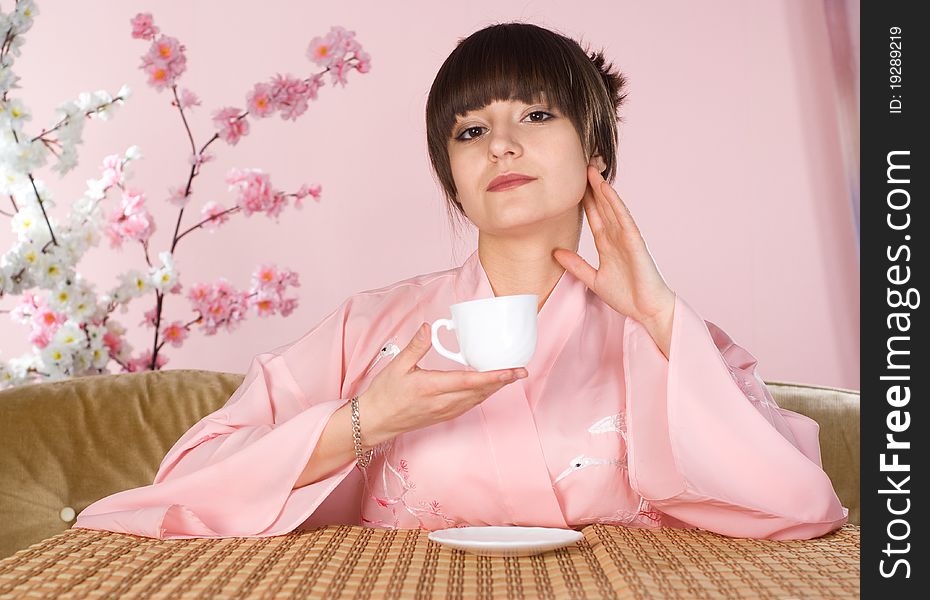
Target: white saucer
[[505, 541]]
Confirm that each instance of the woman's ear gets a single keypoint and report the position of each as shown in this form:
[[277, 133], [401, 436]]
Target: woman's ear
[[598, 161]]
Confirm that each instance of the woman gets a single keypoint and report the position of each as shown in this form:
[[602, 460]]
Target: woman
[[633, 410]]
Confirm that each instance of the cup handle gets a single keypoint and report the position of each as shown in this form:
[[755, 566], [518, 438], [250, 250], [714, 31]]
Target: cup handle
[[450, 325]]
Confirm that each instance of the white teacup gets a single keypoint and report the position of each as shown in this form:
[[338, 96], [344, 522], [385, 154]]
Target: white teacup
[[493, 333]]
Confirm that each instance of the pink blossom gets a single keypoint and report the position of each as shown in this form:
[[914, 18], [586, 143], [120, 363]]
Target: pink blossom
[[158, 75], [364, 62], [112, 170], [230, 126], [175, 333], [269, 284], [148, 319], [198, 159], [287, 306], [132, 201], [321, 50], [259, 101], [40, 338], [143, 26], [143, 362], [113, 342], [132, 222], [44, 321], [164, 62], [178, 196], [219, 305], [169, 52], [329, 49], [189, 98], [338, 72], [291, 95], [266, 275], [264, 306], [213, 211], [332, 52], [199, 292], [26, 307], [255, 192], [307, 190]]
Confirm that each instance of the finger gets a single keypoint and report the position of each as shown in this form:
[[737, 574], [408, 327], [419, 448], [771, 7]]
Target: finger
[[609, 198], [445, 382], [474, 396], [591, 210], [620, 208], [576, 265], [415, 350]]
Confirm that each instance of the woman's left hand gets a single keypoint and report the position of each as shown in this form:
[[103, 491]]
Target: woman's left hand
[[627, 278]]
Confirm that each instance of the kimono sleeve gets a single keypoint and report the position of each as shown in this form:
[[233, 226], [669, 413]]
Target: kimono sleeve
[[707, 444], [232, 474]]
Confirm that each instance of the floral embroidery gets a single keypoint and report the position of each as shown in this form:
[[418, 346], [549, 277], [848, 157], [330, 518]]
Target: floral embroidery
[[395, 485], [643, 516], [645, 510]]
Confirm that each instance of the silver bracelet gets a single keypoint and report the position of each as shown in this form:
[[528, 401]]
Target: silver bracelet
[[363, 459]]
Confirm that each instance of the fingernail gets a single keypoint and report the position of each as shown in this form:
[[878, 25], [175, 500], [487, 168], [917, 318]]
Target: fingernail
[[521, 373], [506, 376], [423, 332]]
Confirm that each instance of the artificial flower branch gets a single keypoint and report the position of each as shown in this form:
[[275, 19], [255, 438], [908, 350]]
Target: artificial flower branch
[[74, 331]]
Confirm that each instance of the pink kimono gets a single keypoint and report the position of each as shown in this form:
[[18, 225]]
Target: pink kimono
[[604, 429]]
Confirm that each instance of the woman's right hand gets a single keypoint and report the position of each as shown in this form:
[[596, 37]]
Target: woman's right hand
[[403, 397]]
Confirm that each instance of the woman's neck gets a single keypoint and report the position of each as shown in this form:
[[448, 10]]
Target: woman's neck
[[522, 266]]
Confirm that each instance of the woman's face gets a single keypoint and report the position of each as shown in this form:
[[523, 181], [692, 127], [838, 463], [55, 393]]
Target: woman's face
[[513, 137]]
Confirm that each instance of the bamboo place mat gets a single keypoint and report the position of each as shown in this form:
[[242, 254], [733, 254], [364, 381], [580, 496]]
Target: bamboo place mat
[[342, 561]]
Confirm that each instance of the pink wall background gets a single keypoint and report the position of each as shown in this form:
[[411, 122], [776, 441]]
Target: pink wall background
[[730, 159]]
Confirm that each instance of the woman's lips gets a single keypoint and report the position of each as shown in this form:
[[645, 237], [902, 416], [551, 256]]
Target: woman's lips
[[510, 184]]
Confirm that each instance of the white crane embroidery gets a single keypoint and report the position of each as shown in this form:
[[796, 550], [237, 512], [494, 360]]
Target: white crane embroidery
[[610, 423], [581, 461], [388, 348]]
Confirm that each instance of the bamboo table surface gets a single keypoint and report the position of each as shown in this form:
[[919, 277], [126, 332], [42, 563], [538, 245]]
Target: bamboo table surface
[[342, 561]]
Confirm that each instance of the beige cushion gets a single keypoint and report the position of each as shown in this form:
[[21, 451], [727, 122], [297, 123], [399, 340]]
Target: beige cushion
[[66, 444], [837, 412]]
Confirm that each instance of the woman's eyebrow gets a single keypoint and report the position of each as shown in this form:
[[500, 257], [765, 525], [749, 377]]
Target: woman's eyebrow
[[476, 110]]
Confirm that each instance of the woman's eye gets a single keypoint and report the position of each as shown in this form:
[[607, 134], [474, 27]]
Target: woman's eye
[[539, 112], [464, 131], [535, 112]]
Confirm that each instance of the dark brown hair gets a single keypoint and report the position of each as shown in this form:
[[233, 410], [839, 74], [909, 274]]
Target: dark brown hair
[[518, 61]]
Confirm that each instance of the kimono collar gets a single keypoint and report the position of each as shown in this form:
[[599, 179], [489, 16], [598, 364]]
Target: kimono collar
[[562, 312]]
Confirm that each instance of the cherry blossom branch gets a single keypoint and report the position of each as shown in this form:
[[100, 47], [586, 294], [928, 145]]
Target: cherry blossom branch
[[145, 248], [177, 102], [38, 198], [228, 211], [155, 345], [63, 121]]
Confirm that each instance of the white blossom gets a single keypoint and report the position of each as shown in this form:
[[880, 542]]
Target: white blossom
[[55, 357], [164, 277], [14, 114], [28, 224], [133, 153], [134, 284]]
